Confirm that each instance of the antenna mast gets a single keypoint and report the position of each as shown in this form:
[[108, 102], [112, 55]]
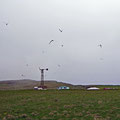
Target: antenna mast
[[42, 76]]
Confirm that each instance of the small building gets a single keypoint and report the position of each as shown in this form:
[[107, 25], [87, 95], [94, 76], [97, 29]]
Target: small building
[[63, 88], [93, 88], [40, 88], [35, 88]]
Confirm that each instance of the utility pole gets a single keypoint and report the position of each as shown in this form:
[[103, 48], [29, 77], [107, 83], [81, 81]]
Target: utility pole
[[42, 76]]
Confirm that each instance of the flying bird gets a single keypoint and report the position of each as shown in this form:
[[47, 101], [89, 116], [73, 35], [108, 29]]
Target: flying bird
[[51, 42], [100, 45], [6, 23], [22, 75], [43, 51], [26, 64], [101, 59], [62, 45], [59, 65], [60, 30]]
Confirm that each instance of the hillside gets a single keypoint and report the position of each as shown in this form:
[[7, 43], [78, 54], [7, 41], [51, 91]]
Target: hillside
[[29, 84]]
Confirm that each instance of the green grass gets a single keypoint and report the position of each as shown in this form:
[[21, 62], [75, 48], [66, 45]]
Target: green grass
[[60, 105]]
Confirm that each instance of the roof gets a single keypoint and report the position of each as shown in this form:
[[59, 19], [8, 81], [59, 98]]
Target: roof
[[93, 88]]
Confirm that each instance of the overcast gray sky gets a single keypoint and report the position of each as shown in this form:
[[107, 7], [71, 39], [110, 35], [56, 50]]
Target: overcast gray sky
[[85, 24]]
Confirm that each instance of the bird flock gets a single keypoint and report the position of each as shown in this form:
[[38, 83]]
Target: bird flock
[[61, 30], [51, 42]]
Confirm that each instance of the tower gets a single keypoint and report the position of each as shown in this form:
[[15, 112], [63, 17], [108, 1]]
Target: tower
[[42, 78]]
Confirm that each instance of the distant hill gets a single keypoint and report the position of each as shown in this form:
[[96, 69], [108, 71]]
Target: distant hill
[[29, 84]]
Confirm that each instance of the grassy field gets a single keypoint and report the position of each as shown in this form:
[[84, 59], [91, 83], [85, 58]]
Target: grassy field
[[60, 105]]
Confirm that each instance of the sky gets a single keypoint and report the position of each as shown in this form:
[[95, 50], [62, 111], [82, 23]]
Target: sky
[[86, 24]]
